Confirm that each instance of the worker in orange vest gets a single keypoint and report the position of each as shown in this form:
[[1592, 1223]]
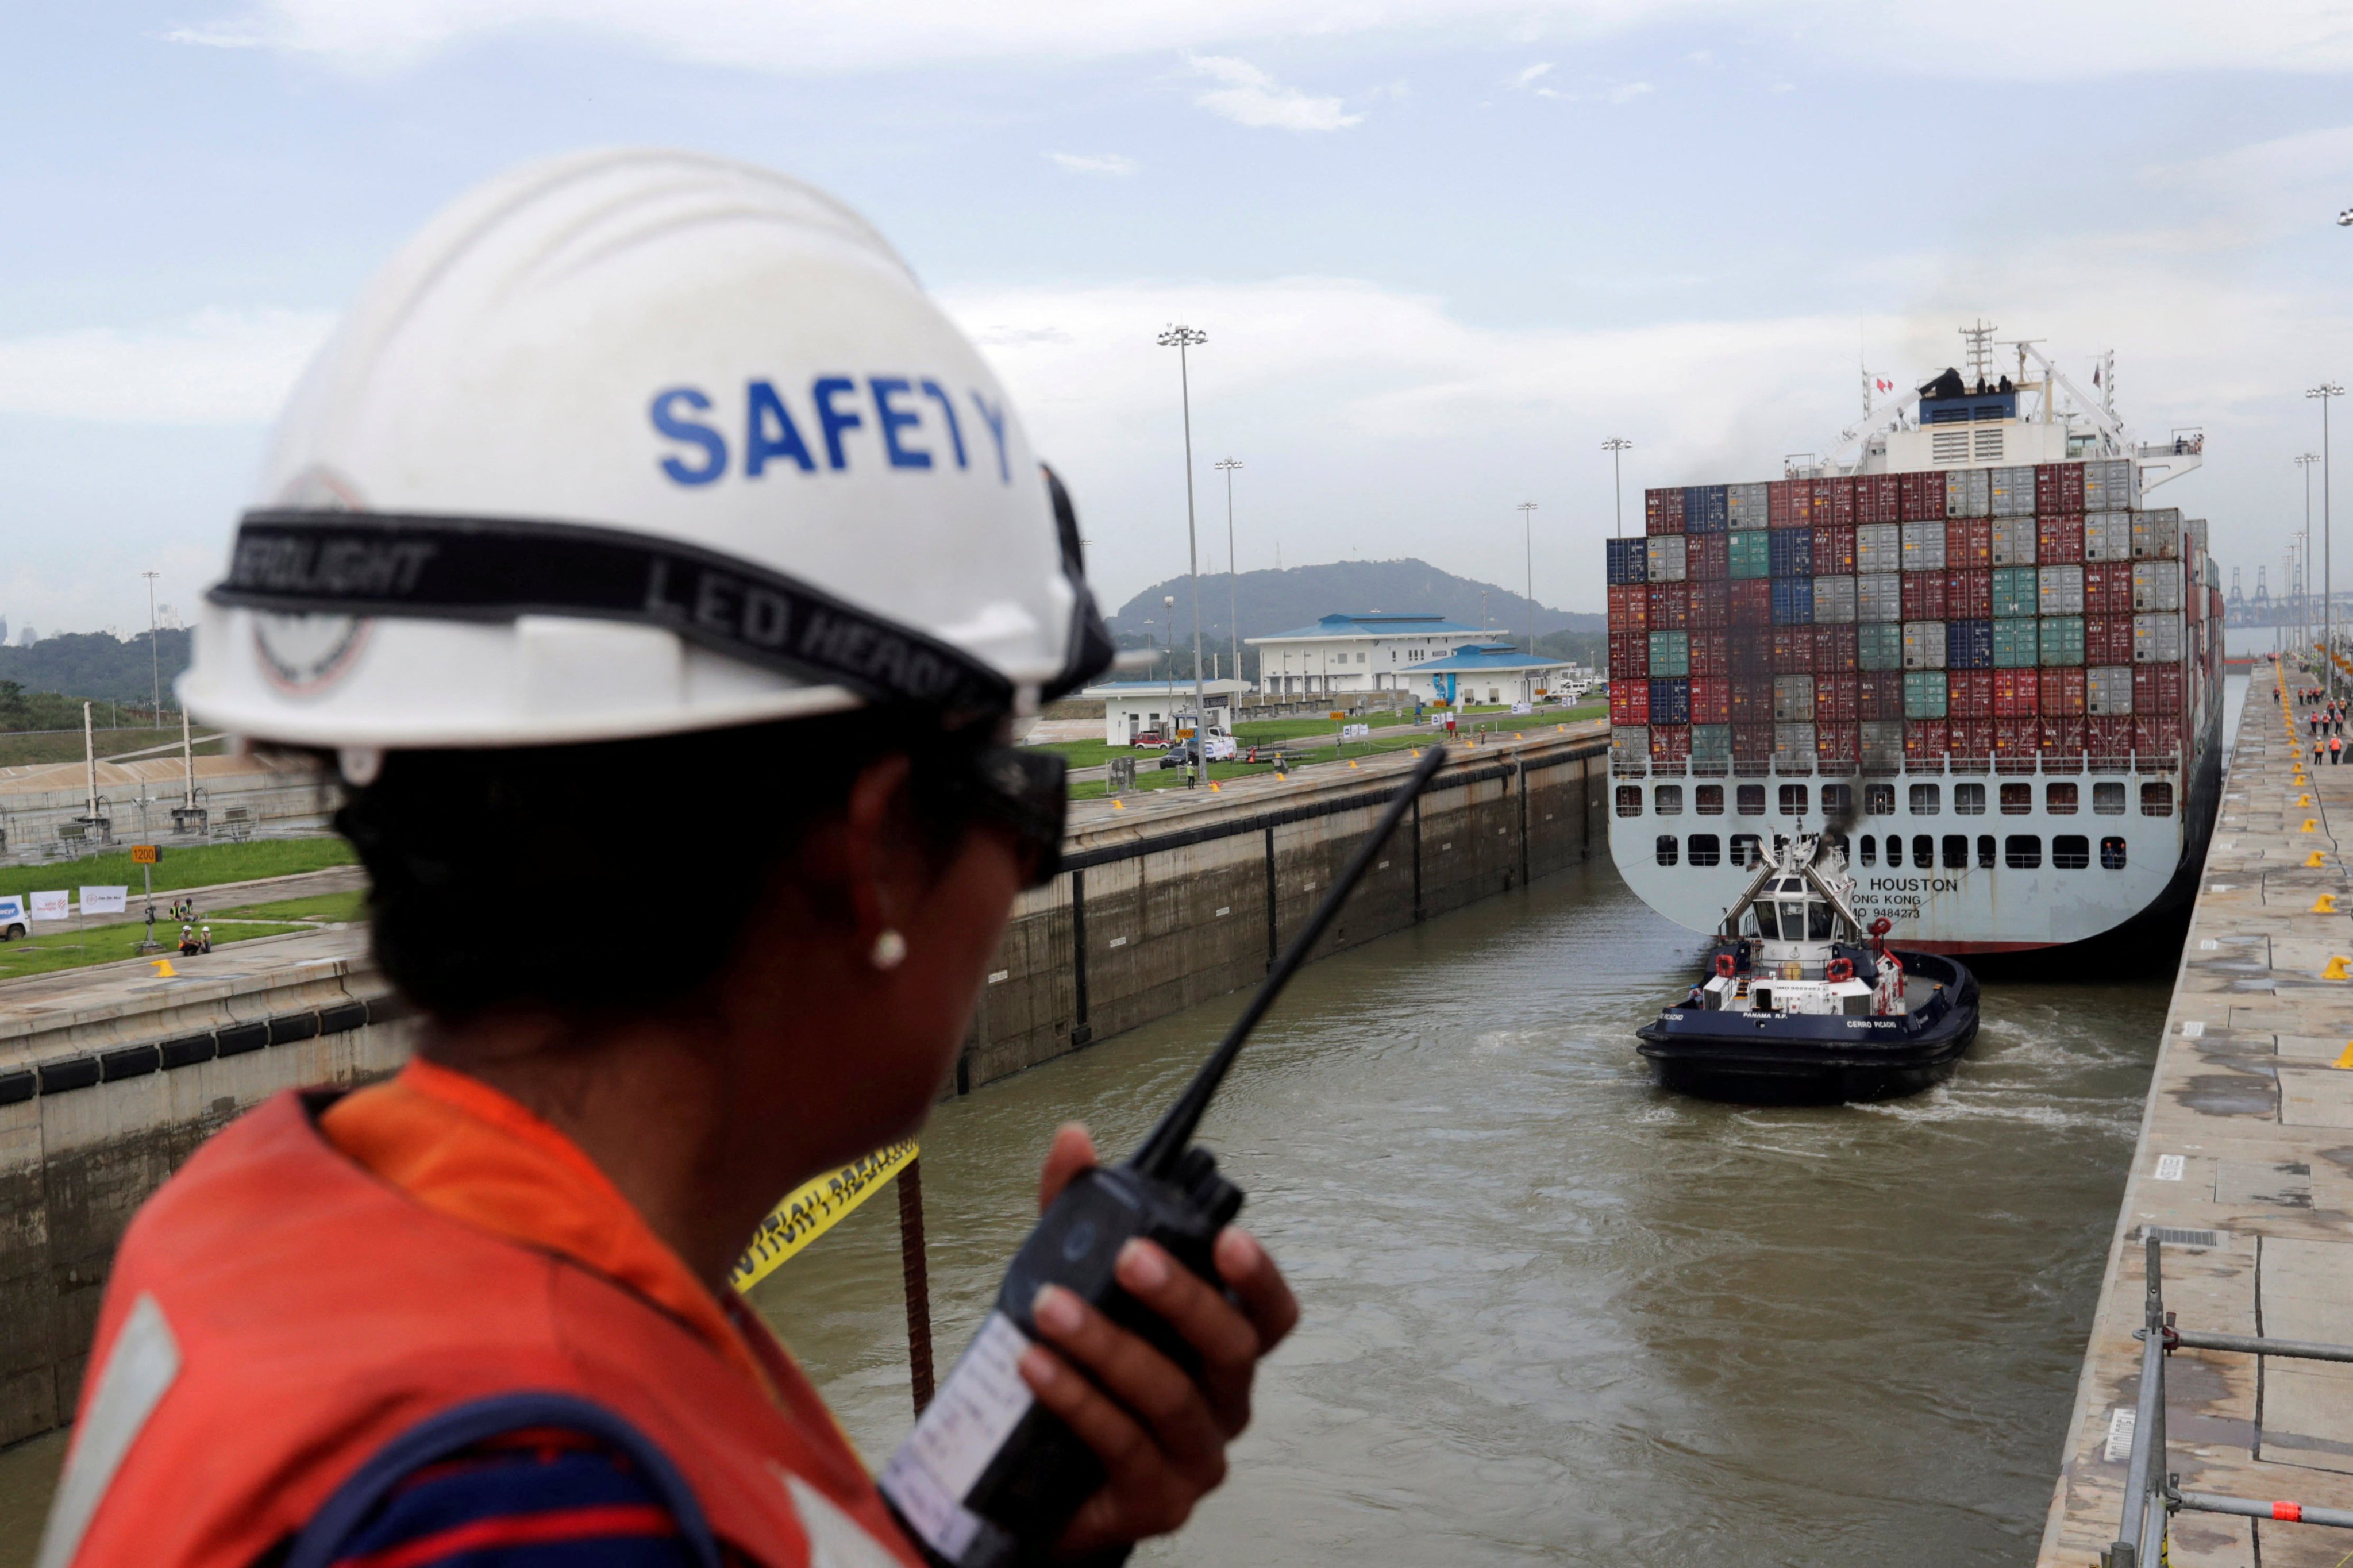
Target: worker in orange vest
[[632, 468]]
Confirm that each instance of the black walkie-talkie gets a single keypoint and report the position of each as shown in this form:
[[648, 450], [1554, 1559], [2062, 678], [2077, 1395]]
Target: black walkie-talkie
[[990, 1478]]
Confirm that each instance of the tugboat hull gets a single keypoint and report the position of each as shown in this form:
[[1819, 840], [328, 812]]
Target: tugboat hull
[[1755, 1058]]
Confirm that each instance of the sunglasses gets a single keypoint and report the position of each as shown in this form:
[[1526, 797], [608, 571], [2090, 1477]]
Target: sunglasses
[[1023, 788]]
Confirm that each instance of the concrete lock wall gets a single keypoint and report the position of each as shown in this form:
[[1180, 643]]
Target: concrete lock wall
[[110, 1077]]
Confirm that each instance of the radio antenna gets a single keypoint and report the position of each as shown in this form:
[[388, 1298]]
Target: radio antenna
[[1157, 1155]]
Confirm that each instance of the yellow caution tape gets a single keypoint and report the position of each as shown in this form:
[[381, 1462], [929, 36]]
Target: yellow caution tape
[[808, 1212]]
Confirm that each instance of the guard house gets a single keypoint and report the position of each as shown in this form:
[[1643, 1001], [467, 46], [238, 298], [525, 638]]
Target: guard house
[[1487, 672], [1347, 653], [1136, 707]]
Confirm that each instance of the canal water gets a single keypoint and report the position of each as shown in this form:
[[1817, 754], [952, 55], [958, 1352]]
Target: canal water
[[1554, 1313]]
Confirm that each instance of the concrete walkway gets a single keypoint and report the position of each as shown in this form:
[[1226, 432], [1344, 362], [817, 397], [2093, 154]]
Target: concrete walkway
[[2246, 1144]]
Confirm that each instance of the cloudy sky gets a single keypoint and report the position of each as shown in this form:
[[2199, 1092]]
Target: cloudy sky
[[1442, 248]]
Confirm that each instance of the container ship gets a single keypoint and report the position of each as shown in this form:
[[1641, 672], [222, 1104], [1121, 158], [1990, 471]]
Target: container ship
[[1964, 646]]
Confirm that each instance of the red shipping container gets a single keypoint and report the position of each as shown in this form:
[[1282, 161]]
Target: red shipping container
[[1968, 693], [1630, 607], [2063, 692], [1920, 497], [1971, 739], [1669, 606], [1834, 550], [1925, 740], [1752, 742], [2059, 541], [1711, 603], [1662, 510], [1879, 694], [2107, 639], [2157, 735], [1630, 701], [2156, 688], [1630, 659], [2016, 694], [1968, 544], [1878, 498], [1834, 650], [1969, 595], [1670, 742], [1711, 698], [1834, 502], [2063, 739], [1752, 602], [2110, 734], [1752, 650], [2017, 736], [1708, 557], [1793, 651], [1924, 595], [1838, 742], [1837, 699], [1752, 702], [1711, 655], [2107, 589], [1789, 502], [2058, 487]]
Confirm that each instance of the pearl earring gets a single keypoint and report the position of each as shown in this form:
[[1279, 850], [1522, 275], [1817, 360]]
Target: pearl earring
[[889, 951]]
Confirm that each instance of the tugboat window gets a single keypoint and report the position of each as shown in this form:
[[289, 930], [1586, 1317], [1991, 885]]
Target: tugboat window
[[1956, 851], [2022, 851], [2059, 800], [1745, 852], [1667, 849], [1793, 800], [2112, 854], [1629, 799], [1705, 850], [1927, 800], [1879, 800], [1751, 799], [1969, 800], [2017, 799], [1837, 799], [2071, 852], [2108, 799], [1870, 851], [1707, 800], [1667, 800], [2156, 799], [1818, 921], [1985, 851]]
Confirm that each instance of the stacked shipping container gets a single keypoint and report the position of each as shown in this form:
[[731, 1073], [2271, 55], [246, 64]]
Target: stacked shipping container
[[1980, 616]]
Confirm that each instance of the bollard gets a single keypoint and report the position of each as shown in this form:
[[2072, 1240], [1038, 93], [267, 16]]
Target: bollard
[[917, 1277]]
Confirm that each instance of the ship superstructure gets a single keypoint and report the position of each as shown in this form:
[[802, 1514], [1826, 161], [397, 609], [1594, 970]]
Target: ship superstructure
[[1964, 645]]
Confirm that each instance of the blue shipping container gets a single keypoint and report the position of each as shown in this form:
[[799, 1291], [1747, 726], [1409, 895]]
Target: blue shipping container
[[1793, 599], [1793, 551], [1968, 644], [1707, 509], [1670, 702], [1629, 561]]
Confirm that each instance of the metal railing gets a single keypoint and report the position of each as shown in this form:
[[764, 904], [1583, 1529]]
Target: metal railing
[[2153, 1494]]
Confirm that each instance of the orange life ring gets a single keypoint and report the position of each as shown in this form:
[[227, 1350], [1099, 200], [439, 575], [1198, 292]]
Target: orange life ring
[[1723, 966], [1841, 970]]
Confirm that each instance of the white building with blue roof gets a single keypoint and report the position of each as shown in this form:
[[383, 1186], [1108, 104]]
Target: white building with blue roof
[[1348, 653], [1487, 672]]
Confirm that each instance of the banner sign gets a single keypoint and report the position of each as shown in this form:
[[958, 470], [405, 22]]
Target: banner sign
[[54, 906], [810, 1211], [105, 900]]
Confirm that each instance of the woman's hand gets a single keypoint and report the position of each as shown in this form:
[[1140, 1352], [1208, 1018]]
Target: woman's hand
[[1160, 1434]]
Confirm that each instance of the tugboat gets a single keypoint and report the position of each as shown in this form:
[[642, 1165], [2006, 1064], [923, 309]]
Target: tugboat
[[1805, 1003]]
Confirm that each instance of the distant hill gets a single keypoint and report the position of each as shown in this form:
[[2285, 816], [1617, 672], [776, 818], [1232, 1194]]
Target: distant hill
[[93, 665], [1270, 602]]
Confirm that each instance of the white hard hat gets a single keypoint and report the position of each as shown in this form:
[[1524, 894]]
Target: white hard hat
[[632, 442]]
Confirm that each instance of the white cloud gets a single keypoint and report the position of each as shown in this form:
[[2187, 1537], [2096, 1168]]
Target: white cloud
[[1251, 97], [2042, 40], [1094, 162], [1626, 92], [1541, 68], [217, 367]]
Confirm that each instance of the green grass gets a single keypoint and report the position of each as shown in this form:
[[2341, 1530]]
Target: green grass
[[21, 750], [1091, 753], [181, 867], [104, 945], [326, 907]]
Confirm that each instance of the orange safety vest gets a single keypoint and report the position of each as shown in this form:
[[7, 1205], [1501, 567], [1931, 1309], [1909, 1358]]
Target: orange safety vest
[[285, 1336]]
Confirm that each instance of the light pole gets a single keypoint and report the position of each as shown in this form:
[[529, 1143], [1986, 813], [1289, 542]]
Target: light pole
[[1528, 544], [2304, 596], [1233, 615], [1614, 445], [155, 658], [1184, 340], [2328, 392]]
